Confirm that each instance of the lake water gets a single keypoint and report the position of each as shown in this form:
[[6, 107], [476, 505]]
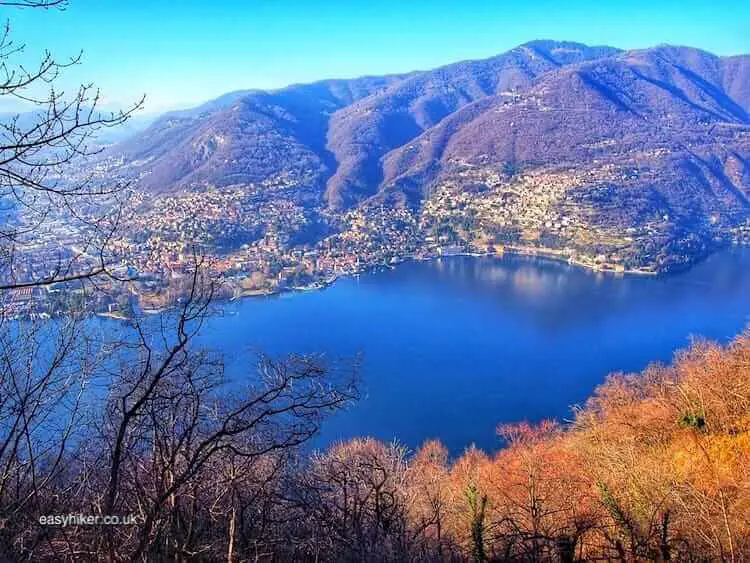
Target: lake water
[[452, 348]]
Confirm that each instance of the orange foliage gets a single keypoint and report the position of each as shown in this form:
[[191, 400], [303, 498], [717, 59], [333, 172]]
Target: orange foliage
[[656, 466]]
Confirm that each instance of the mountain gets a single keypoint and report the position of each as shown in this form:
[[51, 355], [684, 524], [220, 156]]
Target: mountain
[[246, 137], [633, 102], [362, 133], [638, 157], [329, 134], [655, 140]]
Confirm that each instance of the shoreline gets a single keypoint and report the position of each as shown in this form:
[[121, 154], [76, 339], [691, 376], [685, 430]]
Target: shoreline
[[555, 256], [522, 251], [114, 316], [526, 252]]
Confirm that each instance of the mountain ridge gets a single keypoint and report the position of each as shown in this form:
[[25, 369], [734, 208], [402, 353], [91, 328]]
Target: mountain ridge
[[147, 144], [624, 145]]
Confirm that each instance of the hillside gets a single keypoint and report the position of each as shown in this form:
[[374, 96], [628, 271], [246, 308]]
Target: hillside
[[634, 160], [362, 133], [647, 144], [244, 137], [332, 131], [654, 467]]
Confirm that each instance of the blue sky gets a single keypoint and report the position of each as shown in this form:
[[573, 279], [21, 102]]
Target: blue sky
[[181, 52]]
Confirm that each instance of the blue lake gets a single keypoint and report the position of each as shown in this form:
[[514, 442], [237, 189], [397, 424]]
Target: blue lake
[[452, 348]]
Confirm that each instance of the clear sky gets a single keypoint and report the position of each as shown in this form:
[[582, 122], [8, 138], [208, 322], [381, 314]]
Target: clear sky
[[181, 52]]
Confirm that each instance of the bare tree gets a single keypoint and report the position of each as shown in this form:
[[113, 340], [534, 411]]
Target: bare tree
[[43, 375], [353, 498], [170, 426], [168, 420], [38, 192]]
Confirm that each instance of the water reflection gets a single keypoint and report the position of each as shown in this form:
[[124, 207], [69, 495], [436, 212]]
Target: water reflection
[[454, 347], [553, 293]]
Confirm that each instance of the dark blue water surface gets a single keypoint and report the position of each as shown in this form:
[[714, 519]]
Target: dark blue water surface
[[452, 348]]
